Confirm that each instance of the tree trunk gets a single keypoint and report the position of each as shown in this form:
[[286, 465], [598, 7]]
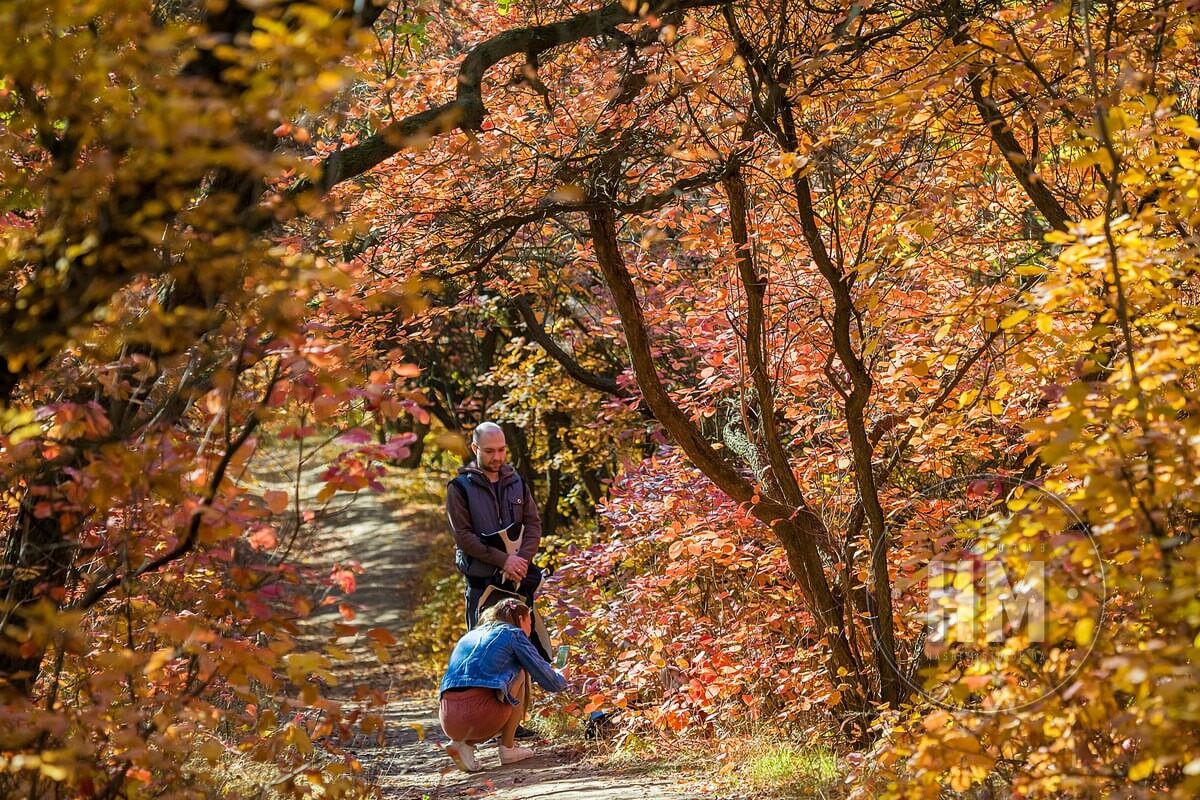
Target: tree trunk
[[798, 528], [37, 560], [555, 422]]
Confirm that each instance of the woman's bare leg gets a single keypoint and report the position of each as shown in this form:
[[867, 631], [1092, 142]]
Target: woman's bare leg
[[508, 736]]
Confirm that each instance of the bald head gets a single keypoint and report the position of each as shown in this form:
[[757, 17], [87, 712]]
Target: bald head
[[489, 447], [486, 429]]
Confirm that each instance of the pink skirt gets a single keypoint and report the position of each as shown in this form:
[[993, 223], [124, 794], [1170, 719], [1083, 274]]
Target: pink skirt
[[473, 715]]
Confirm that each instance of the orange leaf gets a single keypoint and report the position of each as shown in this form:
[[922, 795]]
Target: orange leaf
[[277, 501]]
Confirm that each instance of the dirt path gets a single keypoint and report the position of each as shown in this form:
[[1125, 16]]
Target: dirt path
[[391, 541]]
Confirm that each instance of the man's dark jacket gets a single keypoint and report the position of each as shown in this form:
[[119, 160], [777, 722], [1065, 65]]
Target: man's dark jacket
[[475, 510]]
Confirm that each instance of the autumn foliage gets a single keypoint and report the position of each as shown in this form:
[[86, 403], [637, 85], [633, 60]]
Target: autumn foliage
[[780, 302], [160, 379]]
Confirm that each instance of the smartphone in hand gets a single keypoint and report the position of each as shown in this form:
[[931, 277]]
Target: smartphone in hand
[[560, 660]]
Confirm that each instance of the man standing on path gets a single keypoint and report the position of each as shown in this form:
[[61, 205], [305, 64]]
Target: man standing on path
[[487, 496]]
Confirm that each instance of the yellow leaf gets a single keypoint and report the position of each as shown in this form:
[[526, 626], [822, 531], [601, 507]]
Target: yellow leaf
[[937, 720], [329, 81], [419, 728], [210, 751], [1142, 769], [1117, 119], [19, 425], [300, 665], [337, 653], [960, 780], [158, 659], [1085, 628], [1059, 237], [53, 771], [1014, 319], [298, 738], [381, 653], [1187, 125]]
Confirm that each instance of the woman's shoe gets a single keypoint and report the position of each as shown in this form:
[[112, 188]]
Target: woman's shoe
[[511, 755], [463, 755]]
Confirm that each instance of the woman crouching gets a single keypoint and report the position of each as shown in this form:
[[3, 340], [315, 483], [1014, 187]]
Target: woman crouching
[[483, 692]]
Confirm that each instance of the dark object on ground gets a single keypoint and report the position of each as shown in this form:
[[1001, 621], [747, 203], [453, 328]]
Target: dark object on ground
[[600, 724], [522, 733]]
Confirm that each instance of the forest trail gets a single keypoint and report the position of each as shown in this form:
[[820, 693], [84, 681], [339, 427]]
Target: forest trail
[[392, 541]]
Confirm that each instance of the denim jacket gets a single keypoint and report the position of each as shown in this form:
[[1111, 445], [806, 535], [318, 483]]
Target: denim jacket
[[490, 657]]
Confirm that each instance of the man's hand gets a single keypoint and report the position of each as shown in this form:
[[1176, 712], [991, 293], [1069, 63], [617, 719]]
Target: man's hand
[[515, 568]]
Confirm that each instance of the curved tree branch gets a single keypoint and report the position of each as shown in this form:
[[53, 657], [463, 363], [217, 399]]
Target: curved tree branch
[[467, 110], [755, 286], [1019, 163], [797, 528], [534, 329]]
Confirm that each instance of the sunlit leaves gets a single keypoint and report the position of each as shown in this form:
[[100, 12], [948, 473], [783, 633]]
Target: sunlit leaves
[[156, 344]]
